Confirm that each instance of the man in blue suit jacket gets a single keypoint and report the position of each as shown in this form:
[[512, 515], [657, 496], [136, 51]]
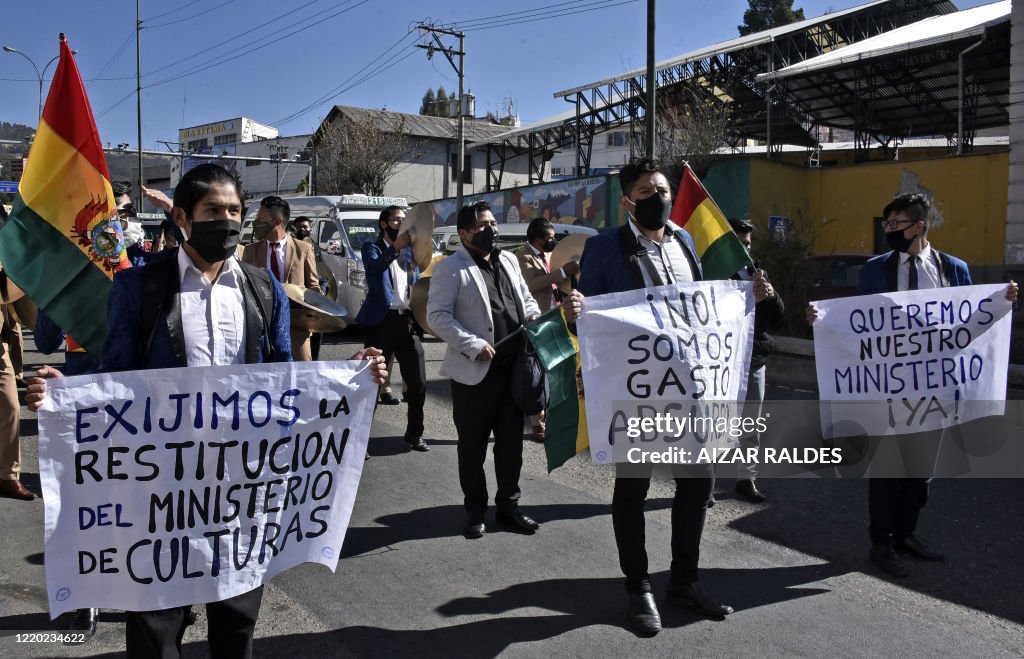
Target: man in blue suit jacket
[[894, 504], [650, 251], [390, 274]]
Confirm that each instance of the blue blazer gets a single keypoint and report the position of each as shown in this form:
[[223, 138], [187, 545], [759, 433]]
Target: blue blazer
[[124, 349], [879, 274], [611, 264], [377, 257]]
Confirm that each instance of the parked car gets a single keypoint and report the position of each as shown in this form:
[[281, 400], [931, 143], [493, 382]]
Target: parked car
[[341, 224], [836, 275]]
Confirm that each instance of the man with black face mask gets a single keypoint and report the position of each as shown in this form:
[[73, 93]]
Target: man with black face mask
[[390, 274], [478, 304], [894, 504], [534, 259], [651, 251]]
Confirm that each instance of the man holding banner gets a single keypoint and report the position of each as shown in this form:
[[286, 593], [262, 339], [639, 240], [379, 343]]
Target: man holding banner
[[647, 252], [916, 396], [198, 306]]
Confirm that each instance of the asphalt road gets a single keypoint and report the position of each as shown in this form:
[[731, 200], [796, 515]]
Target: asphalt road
[[409, 585]]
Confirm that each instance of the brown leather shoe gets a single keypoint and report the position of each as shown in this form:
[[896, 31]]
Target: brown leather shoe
[[13, 489]]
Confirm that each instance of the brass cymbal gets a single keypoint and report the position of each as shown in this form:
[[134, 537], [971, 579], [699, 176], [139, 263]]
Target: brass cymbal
[[313, 310], [568, 249], [418, 303], [419, 224]]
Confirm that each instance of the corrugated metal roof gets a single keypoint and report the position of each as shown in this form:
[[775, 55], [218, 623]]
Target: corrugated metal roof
[[930, 31], [423, 126]]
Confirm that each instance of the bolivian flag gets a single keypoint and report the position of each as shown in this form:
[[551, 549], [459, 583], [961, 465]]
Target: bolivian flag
[[720, 251], [559, 353], [63, 241]]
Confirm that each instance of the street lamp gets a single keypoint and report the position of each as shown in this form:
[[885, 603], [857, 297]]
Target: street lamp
[[39, 76]]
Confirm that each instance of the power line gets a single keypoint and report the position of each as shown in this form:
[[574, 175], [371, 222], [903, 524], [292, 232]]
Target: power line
[[188, 18], [113, 58], [544, 17], [168, 13], [515, 13]]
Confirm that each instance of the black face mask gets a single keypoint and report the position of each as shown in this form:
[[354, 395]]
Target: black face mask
[[214, 240], [652, 213], [302, 234], [898, 240], [484, 239], [549, 246], [392, 233]]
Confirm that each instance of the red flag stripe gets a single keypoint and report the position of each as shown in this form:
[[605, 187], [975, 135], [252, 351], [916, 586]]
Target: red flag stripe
[[69, 114], [690, 195]]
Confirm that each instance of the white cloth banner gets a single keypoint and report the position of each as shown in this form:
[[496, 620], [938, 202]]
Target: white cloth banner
[[913, 361], [190, 485], [671, 350]]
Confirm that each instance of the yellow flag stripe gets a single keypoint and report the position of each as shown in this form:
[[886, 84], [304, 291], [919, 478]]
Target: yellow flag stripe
[[582, 436], [44, 188], [706, 225]]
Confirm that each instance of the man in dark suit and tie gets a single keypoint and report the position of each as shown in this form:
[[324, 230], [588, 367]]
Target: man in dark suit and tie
[[390, 274], [291, 261], [894, 504]]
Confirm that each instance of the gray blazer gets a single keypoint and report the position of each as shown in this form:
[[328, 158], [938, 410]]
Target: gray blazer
[[459, 311]]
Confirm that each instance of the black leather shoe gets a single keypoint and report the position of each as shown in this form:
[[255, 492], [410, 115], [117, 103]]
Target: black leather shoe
[[518, 522], [388, 398], [474, 529], [916, 547], [85, 621], [693, 596], [747, 489], [884, 557], [417, 444], [643, 618]]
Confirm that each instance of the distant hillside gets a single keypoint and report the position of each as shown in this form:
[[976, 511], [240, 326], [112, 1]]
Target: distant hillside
[[9, 131]]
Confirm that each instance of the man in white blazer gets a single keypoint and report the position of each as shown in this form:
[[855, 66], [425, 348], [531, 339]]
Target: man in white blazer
[[478, 302]]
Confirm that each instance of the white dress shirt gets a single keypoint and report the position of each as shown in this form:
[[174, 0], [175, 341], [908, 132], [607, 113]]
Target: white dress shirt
[[399, 282], [212, 314], [928, 275], [282, 249], [668, 257]]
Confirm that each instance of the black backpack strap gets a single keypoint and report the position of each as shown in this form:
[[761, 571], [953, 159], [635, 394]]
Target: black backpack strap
[[158, 296], [259, 300]]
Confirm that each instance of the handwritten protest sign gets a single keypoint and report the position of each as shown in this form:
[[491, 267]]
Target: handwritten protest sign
[[681, 350], [924, 359], [179, 486]]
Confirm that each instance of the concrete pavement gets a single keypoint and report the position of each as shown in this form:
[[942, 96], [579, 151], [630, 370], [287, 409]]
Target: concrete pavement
[[409, 584]]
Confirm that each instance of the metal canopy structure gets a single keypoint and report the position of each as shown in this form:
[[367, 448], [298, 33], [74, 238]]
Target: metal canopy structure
[[722, 75], [948, 75]]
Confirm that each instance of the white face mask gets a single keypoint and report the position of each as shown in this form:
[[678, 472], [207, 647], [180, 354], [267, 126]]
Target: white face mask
[[134, 233]]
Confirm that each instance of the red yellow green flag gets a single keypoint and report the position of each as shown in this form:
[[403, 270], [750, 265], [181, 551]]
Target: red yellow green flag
[[63, 242], [720, 251], [559, 353]]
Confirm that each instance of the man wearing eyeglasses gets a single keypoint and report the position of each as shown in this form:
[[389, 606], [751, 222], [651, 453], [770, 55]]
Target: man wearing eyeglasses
[[894, 504]]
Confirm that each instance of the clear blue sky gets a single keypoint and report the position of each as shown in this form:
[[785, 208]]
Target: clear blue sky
[[307, 49]]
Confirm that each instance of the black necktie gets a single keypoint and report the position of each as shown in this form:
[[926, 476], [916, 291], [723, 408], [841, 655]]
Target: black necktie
[[913, 283]]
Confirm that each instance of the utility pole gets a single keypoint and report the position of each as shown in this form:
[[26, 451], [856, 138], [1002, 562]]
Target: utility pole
[[277, 150], [651, 81], [450, 54], [138, 97]]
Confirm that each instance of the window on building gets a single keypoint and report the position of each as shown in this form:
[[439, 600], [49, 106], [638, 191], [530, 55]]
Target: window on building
[[198, 145], [616, 139], [252, 163], [231, 138], [568, 142]]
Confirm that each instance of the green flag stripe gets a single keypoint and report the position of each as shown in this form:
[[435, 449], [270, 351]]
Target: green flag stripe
[[724, 257], [55, 273]]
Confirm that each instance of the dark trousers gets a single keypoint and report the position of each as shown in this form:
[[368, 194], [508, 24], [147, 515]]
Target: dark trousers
[[231, 622], [894, 505], [689, 508], [478, 410], [394, 336]]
